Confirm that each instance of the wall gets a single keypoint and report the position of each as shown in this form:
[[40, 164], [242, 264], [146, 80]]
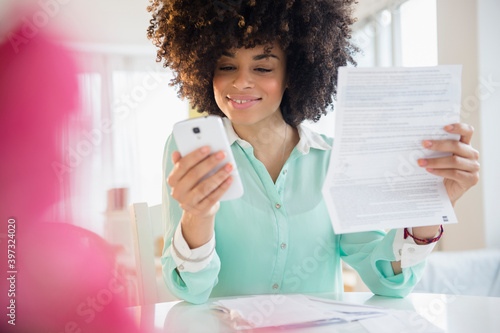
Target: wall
[[457, 44], [489, 72], [468, 34]]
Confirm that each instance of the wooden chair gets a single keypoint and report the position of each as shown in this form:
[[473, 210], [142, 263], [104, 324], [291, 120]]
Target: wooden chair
[[146, 227]]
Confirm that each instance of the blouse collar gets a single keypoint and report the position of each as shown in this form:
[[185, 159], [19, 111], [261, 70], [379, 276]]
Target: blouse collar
[[308, 138]]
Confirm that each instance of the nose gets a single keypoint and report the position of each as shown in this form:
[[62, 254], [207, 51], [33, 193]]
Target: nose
[[243, 80]]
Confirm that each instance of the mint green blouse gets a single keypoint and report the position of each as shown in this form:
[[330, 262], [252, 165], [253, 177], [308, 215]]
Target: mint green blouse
[[278, 238]]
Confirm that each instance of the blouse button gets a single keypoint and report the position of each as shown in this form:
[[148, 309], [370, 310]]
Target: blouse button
[[278, 206], [285, 171], [283, 246], [275, 286]]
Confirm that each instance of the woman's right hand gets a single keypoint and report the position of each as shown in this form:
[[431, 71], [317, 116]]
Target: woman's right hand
[[198, 200]]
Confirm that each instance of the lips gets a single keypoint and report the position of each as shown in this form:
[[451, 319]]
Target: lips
[[243, 101]]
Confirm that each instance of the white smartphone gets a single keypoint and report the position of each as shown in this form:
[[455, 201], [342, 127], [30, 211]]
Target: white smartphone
[[195, 133]]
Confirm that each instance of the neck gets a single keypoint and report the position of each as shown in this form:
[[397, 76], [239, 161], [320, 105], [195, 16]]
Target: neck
[[266, 133], [272, 140]]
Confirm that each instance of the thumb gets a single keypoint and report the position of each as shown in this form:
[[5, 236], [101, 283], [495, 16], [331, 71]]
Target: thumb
[[176, 156]]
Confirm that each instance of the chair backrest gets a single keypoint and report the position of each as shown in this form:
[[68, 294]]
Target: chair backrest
[[146, 227], [144, 253]]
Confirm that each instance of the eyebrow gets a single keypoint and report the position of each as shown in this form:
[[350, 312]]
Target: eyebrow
[[257, 57]]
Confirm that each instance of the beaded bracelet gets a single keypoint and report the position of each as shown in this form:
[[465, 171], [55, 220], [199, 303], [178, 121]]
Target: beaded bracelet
[[425, 241]]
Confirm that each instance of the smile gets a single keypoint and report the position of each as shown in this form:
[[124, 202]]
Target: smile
[[243, 102]]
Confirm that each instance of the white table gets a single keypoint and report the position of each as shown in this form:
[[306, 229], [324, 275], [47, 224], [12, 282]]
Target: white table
[[453, 313]]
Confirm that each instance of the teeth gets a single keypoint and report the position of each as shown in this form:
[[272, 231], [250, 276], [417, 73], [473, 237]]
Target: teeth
[[241, 101]]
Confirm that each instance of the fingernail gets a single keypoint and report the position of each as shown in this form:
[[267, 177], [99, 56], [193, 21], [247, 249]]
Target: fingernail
[[228, 167], [422, 162], [449, 127], [427, 144], [430, 169], [220, 155], [204, 150]]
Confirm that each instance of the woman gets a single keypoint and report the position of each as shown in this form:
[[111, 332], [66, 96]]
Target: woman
[[266, 66]]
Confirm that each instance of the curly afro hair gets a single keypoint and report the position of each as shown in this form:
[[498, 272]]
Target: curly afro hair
[[314, 34]]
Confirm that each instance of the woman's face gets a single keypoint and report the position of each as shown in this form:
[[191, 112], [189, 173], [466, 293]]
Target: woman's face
[[249, 84]]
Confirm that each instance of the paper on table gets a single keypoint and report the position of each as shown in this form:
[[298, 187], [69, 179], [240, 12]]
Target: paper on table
[[400, 321], [268, 310], [382, 117], [396, 321], [290, 310]]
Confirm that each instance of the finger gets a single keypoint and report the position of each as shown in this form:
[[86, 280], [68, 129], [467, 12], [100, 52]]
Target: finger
[[450, 162], [464, 178], [215, 196], [176, 156], [194, 176], [205, 188], [452, 146], [182, 165], [215, 191], [465, 130]]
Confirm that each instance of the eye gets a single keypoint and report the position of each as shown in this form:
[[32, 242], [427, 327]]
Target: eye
[[226, 68], [263, 70]]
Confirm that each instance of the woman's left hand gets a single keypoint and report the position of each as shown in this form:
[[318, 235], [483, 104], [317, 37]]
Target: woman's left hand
[[460, 170]]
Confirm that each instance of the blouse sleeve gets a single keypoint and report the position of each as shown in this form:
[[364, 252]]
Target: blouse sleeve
[[192, 287], [370, 254]]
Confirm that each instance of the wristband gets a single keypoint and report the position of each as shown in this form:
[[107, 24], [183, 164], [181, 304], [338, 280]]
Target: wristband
[[426, 241]]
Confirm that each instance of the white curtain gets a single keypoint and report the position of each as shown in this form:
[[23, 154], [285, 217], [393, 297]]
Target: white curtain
[[127, 110]]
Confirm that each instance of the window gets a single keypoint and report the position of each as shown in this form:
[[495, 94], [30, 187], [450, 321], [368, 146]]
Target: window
[[151, 107], [404, 35], [129, 110], [418, 33]]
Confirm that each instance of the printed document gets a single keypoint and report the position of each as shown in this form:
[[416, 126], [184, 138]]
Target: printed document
[[382, 117], [296, 311]]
